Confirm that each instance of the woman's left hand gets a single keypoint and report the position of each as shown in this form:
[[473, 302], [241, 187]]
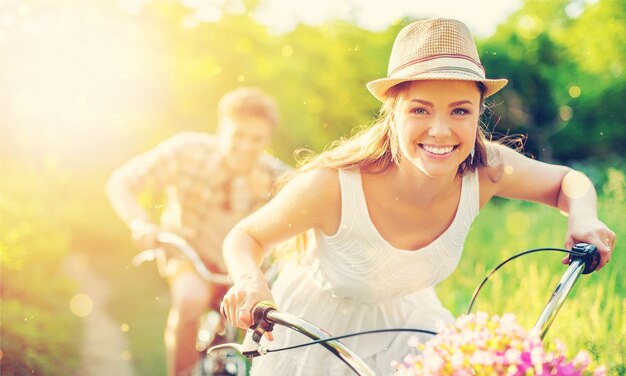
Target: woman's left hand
[[592, 231]]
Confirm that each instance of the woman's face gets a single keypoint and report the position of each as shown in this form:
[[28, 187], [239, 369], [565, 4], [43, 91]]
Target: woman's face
[[437, 123]]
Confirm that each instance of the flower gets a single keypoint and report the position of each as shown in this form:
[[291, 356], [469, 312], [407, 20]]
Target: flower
[[479, 344]]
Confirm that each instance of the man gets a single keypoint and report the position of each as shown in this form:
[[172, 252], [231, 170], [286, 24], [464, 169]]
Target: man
[[209, 182]]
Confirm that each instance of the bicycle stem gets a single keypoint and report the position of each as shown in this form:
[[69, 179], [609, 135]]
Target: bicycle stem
[[557, 299], [584, 263]]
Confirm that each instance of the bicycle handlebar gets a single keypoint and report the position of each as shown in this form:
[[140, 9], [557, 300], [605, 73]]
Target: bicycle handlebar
[[584, 259], [265, 316], [187, 251]]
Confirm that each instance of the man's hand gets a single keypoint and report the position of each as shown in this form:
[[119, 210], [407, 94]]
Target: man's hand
[[144, 233]]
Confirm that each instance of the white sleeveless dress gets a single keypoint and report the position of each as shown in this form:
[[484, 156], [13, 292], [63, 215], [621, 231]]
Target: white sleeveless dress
[[355, 280]]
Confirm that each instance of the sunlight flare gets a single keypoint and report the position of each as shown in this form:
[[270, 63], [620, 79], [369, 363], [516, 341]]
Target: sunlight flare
[[81, 305]]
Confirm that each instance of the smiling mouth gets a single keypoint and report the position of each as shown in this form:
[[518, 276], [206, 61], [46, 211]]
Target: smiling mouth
[[438, 150]]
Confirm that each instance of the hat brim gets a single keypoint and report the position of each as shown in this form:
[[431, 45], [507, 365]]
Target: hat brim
[[379, 87]]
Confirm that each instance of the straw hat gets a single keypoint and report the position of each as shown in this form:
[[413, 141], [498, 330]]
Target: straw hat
[[437, 49]]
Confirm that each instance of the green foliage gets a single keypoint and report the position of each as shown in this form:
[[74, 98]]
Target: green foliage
[[566, 77], [37, 326], [35, 337]]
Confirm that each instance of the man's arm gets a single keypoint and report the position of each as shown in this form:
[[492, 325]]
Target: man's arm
[[151, 170]]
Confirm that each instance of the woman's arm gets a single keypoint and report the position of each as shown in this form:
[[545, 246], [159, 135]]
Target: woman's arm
[[311, 200], [570, 191]]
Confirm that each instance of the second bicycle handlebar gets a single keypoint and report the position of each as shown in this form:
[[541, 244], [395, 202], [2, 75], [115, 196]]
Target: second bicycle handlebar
[[169, 239]]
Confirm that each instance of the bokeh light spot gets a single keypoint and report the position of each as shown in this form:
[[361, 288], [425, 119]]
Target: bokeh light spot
[[576, 185], [241, 78], [204, 335], [566, 113], [529, 26], [125, 327], [287, 51], [517, 223], [127, 355], [574, 91], [81, 305]]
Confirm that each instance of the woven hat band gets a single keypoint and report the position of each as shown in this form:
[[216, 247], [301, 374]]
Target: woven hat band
[[454, 65]]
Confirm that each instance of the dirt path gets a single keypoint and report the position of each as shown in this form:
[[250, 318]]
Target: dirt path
[[104, 351]]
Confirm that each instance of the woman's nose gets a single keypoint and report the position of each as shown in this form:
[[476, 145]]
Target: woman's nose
[[439, 128]]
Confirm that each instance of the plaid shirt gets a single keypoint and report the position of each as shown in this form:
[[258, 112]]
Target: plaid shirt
[[202, 199]]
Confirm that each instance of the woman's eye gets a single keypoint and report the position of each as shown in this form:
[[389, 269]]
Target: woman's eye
[[460, 111], [419, 111]]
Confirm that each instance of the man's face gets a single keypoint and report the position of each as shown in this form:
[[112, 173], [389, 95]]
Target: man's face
[[243, 140]]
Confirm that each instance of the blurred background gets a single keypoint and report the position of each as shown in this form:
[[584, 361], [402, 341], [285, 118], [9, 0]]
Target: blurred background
[[87, 84]]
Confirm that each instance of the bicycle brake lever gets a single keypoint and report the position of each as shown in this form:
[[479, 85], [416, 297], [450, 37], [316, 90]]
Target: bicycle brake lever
[[588, 255], [249, 348]]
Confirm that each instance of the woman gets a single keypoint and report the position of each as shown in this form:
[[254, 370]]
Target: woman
[[391, 207]]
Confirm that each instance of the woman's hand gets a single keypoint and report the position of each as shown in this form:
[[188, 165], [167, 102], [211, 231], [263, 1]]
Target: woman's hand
[[240, 299], [592, 231]]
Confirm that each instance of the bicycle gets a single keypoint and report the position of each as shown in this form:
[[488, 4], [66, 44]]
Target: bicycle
[[584, 259], [213, 330]]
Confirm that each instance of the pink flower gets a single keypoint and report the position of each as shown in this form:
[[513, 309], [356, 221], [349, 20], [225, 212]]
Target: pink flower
[[582, 359], [600, 371], [496, 345]]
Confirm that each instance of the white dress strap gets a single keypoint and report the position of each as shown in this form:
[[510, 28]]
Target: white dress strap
[[351, 193]]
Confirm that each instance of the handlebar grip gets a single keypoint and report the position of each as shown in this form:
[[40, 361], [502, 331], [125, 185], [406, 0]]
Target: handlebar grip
[[589, 255], [260, 324]]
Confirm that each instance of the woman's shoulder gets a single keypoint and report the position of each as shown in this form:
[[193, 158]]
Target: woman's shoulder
[[317, 194], [323, 179], [493, 174], [493, 171]]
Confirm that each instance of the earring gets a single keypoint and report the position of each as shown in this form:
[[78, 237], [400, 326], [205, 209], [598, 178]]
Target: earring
[[472, 155]]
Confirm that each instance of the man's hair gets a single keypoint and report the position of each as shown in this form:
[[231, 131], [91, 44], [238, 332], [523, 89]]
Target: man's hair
[[247, 102]]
